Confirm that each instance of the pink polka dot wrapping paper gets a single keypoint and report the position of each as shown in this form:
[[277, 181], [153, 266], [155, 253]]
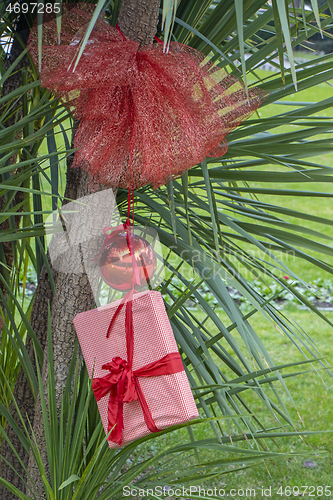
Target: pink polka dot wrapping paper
[[169, 397]]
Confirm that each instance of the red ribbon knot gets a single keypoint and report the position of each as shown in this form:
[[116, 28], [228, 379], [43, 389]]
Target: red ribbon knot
[[123, 385], [120, 380]]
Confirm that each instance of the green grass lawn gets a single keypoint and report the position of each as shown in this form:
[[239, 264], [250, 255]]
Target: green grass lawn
[[311, 410], [312, 392], [313, 397], [322, 207]]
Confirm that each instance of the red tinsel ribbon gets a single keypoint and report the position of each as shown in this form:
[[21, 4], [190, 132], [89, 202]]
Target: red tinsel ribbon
[[123, 385], [145, 116]]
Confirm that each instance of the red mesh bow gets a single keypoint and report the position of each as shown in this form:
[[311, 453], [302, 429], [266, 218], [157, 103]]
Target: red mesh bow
[[145, 116]]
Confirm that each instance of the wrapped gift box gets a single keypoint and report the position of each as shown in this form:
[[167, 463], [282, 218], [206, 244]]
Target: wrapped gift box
[[169, 397]]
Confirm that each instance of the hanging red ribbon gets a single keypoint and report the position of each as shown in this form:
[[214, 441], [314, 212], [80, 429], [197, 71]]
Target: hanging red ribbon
[[123, 385]]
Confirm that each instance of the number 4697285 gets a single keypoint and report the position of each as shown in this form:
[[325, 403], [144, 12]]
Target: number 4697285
[[40, 8]]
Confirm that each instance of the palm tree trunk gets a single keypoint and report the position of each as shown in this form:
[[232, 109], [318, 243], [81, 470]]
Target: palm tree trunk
[[138, 21]]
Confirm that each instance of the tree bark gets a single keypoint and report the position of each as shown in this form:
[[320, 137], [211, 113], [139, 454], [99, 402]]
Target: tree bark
[[138, 21]]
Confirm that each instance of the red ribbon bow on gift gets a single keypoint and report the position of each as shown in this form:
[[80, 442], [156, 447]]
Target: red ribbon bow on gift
[[123, 384]]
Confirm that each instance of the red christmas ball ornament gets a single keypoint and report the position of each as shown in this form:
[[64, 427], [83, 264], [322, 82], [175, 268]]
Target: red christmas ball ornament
[[116, 263]]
